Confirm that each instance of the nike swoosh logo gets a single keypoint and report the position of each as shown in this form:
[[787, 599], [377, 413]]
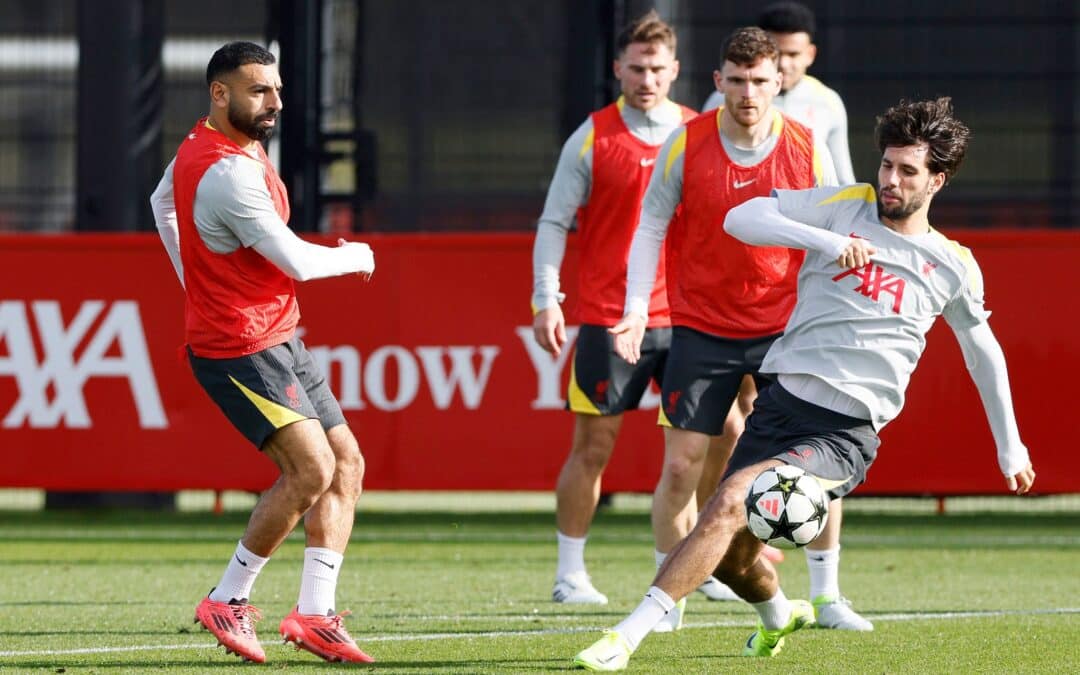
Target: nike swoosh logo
[[743, 183], [645, 161], [608, 659], [239, 560], [324, 562]]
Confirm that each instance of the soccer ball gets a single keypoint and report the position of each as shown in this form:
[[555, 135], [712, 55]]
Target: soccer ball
[[786, 507]]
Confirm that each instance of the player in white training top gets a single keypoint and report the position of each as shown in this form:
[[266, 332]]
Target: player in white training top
[[875, 278], [805, 99]]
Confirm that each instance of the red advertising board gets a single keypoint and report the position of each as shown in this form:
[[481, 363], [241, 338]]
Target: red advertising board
[[435, 366]]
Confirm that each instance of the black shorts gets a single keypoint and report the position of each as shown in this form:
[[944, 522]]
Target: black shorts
[[602, 382], [835, 448], [265, 391], [703, 376]]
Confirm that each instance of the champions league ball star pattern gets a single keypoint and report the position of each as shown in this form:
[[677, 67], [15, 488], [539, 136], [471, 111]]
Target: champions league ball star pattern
[[786, 507]]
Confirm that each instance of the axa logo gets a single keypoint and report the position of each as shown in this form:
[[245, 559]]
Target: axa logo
[[874, 282], [50, 387]]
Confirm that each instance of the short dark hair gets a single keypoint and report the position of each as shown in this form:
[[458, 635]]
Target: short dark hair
[[748, 45], [646, 28], [930, 122], [235, 54], [787, 17]]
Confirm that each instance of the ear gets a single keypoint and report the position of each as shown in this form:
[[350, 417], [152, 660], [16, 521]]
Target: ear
[[219, 94], [811, 54], [937, 181], [616, 69], [674, 70], [718, 80]]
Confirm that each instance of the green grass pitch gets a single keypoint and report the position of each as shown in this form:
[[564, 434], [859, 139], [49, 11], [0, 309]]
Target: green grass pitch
[[468, 592]]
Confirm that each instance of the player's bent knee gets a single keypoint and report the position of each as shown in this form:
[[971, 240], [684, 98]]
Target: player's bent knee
[[591, 458], [315, 481], [725, 509], [350, 475], [683, 472], [596, 433]]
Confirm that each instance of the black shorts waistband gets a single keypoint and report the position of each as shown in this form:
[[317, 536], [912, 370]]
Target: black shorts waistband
[[786, 398]]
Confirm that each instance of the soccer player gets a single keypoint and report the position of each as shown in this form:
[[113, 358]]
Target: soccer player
[[221, 211], [601, 175], [728, 301], [803, 98], [875, 279]]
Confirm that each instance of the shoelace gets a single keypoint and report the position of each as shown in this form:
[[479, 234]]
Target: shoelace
[[337, 623], [246, 616]]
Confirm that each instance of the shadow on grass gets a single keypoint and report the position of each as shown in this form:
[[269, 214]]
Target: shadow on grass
[[526, 528], [144, 666], [82, 603], [148, 665], [164, 633]]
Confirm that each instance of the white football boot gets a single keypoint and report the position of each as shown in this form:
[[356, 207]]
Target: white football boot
[[576, 589]]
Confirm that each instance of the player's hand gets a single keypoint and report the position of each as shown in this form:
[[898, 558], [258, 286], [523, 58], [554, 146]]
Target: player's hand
[[549, 329], [628, 336], [1021, 482], [856, 254], [365, 255]]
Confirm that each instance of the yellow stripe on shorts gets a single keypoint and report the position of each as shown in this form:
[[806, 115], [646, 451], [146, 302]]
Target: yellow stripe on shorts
[[830, 484], [275, 413], [661, 418], [579, 402]]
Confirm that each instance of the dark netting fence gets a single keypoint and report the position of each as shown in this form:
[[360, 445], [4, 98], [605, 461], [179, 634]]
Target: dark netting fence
[[449, 115]]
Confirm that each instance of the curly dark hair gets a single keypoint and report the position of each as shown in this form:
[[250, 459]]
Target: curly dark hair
[[646, 28], [748, 45], [930, 122], [232, 55]]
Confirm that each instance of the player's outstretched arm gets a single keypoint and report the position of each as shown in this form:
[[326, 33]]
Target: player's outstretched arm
[[301, 260], [759, 222], [629, 334], [986, 365], [856, 254]]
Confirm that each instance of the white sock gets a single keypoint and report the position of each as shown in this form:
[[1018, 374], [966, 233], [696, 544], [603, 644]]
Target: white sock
[[774, 612], [239, 576], [319, 581], [654, 607], [571, 555], [824, 568], [660, 558]]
